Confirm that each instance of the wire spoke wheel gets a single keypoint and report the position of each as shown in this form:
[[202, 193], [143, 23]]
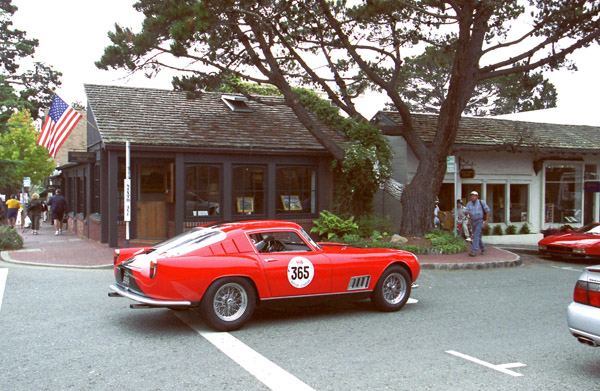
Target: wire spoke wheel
[[230, 302], [394, 288]]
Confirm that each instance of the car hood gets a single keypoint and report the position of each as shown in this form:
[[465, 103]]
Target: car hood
[[573, 239]]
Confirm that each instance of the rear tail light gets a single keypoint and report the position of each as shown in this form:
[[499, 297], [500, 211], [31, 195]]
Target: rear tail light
[[116, 256], [587, 293]]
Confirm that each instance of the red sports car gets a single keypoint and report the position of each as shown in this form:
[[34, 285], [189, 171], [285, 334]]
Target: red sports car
[[226, 269], [581, 243]]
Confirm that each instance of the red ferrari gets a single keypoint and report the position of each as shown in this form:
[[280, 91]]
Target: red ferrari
[[581, 243], [226, 269]]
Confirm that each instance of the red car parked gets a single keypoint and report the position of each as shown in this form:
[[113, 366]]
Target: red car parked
[[581, 243], [226, 269]]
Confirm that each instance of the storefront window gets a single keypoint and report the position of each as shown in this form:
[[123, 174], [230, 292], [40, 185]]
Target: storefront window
[[519, 195], [563, 190], [296, 190], [248, 190], [202, 191], [495, 198]]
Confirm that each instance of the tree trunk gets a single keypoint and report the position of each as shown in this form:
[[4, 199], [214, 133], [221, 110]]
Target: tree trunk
[[418, 199]]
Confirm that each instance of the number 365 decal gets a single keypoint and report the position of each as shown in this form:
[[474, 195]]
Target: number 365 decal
[[300, 272]]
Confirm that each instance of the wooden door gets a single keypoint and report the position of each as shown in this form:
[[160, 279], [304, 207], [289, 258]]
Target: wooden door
[[151, 205]]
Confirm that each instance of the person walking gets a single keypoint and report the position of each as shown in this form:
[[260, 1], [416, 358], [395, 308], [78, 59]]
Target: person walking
[[58, 207], [479, 212], [12, 210], [34, 211], [462, 219]]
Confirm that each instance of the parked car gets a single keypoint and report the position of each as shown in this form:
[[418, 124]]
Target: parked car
[[581, 243], [583, 315], [226, 269]]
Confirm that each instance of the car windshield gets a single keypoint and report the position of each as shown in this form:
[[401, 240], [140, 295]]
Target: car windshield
[[189, 241], [309, 239], [593, 228]]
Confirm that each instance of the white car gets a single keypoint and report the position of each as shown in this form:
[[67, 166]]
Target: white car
[[583, 315]]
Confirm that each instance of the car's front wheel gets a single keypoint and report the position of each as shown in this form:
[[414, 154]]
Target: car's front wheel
[[228, 303], [392, 290]]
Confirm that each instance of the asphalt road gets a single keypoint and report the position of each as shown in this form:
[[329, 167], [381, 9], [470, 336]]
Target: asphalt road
[[495, 329]]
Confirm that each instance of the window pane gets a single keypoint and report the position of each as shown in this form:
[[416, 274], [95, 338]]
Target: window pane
[[563, 193], [202, 191], [495, 199], [519, 195], [248, 190], [296, 190]]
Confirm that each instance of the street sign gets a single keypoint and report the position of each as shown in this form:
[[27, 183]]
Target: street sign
[[26, 181], [450, 164], [127, 194]]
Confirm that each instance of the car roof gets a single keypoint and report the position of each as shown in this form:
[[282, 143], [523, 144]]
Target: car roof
[[252, 225]]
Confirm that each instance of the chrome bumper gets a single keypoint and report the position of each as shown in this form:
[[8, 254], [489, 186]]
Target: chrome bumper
[[117, 290]]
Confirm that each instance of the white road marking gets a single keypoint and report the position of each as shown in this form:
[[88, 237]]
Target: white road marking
[[267, 372], [412, 301], [568, 268], [500, 368], [3, 275]]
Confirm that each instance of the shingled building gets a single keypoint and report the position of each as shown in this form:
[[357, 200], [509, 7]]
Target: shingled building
[[545, 175], [192, 161]]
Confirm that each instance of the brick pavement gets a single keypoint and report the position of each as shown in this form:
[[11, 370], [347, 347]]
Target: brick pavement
[[68, 250]]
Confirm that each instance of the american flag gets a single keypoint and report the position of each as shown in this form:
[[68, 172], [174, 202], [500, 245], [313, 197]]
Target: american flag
[[61, 119]]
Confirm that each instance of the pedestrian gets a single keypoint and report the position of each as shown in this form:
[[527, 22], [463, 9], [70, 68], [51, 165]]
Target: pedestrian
[[58, 207], [462, 219], [34, 211], [13, 206], [436, 214], [479, 212]]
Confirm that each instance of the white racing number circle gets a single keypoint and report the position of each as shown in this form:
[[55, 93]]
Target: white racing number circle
[[300, 272]]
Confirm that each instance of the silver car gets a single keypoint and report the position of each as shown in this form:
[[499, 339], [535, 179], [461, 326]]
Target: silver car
[[583, 315]]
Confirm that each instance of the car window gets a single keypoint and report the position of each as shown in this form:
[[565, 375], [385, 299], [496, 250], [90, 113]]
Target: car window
[[189, 241], [278, 242], [593, 229]]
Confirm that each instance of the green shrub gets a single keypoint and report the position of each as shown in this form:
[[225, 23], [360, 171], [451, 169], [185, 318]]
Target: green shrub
[[511, 229], [525, 229], [486, 230], [368, 225], [497, 230], [442, 242], [330, 225], [10, 238]]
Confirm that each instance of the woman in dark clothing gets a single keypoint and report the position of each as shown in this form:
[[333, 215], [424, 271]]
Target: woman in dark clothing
[[34, 211]]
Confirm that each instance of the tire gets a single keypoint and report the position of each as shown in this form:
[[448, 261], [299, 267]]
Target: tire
[[392, 290], [228, 303]]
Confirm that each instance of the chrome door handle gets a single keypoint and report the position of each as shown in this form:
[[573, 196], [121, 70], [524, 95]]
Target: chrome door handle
[[270, 260]]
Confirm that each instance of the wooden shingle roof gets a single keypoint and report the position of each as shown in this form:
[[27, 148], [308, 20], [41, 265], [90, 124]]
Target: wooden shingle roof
[[167, 118], [485, 133]]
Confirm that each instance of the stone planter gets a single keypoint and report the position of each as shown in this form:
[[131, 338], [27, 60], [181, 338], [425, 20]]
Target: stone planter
[[525, 240]]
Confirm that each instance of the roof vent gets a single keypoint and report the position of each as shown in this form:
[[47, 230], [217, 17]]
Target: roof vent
[[237, 103]]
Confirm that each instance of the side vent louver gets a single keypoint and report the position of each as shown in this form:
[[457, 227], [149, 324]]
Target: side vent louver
[[360, 282]]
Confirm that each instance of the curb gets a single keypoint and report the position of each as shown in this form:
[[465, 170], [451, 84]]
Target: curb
[[471, 265], [475, 265], [6, 258]]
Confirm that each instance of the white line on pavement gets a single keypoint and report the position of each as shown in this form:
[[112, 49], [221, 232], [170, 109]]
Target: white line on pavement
[[500, 368], [258, 366], [412, 301], [3, 274], [567, 268]]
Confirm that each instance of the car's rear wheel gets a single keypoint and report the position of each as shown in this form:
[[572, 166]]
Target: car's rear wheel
[[392, 290], [228, 303]]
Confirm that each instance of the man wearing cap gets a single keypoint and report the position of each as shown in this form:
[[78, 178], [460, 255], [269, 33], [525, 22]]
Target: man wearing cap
[[479, 212]]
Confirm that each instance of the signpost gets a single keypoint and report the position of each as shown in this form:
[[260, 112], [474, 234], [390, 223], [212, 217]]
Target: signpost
[[451, 168]]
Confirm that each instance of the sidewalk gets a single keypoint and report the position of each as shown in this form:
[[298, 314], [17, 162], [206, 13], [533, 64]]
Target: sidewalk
[[68, 250]]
